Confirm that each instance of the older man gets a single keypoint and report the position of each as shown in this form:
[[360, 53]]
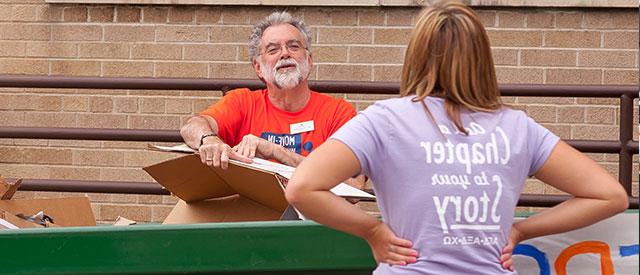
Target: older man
[[283, 122]]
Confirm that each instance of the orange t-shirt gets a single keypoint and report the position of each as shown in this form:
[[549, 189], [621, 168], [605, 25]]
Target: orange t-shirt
[[243, 112]]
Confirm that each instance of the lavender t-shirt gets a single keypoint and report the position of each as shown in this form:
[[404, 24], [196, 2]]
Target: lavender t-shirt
[[452, 195]]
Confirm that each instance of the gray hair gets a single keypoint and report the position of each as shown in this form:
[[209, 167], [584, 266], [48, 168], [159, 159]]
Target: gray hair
[[275, 19]]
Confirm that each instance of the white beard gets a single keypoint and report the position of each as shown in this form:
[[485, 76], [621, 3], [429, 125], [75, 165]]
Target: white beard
[[289, 78]]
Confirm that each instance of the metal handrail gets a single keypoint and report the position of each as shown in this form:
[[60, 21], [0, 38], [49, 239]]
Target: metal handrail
[[626, 147]]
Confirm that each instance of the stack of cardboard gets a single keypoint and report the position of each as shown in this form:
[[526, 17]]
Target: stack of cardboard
[[242, 192], [37, 213]]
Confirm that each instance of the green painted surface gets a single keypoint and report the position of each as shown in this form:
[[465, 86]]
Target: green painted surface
[[287, 247]]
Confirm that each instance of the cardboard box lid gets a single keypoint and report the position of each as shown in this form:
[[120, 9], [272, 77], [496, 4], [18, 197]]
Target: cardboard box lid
[[75, 211], [190, 180]]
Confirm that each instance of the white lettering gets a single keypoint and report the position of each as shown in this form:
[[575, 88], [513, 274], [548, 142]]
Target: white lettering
[[441, 209]]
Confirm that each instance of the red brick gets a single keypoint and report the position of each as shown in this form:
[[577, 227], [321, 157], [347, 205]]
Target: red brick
[[388, 55], [109, 212], [75, 14], [621, 40], [345, 36], [230, 34], [98, 158], [155, 14], [180, 14], [611, 19], [38, 119], [620, 77], [156, 51], [150, 105], [168, 122], [572, 39], [371, 17], [76, 33], [548, 58], [617, 59], [344, 72], [514, 75], [392, 36], [387, 73], [571, 20], [181, 69], [210, 52], [128, 14], [208, 15], [573, 76], [102, 121], [515, 38], [129, 33], [11, 155], [159, 213], [101, 104], [25, 32], [510, 19], [47, 156], [540, 20], [103, 50], [182, 34], [75, 68], [101, 14]]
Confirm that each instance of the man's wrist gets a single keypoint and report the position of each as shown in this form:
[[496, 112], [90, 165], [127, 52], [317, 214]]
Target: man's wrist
[[206, 135]]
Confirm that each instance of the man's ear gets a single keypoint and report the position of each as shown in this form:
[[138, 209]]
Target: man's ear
[[310, 57], [257, 68]]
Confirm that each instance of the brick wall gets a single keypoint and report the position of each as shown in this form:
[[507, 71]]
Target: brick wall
[[530, 45]]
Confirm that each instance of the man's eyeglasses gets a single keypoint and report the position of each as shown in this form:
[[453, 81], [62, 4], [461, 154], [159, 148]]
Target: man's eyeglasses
[[292, 46]]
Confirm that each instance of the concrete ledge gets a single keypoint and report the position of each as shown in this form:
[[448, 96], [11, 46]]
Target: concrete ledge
[[369, 3]]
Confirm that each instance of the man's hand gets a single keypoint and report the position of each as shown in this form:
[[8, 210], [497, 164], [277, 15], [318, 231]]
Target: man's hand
[[214, 152], [252, 146], [388, 248]]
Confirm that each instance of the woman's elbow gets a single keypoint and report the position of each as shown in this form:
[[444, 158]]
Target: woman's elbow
[[293, 193], [622, 201], [618, 200]]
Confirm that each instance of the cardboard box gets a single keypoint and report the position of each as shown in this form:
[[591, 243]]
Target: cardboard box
[[64, 211], [11, 221], [242, 192], [74, 211]]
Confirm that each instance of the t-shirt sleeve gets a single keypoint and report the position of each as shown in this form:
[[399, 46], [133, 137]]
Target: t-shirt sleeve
[[344, 112], [364, 135], [229, 113], [541, 143]]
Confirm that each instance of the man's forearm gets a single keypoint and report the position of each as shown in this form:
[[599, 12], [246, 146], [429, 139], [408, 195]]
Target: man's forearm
[[286, 156], [193, 130]]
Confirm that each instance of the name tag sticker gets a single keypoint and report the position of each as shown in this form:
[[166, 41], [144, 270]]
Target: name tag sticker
[[301, 127]]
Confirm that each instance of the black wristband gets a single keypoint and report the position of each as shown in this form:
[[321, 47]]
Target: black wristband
[[205, 136]]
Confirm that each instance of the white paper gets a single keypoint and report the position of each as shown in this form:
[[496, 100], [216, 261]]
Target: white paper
[[7, 224], [183, 148], [342, 189]]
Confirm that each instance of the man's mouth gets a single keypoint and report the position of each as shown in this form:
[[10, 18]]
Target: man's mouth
[[285, 66]]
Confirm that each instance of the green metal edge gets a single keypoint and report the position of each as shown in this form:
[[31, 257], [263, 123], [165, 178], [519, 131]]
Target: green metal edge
[[248, 247]]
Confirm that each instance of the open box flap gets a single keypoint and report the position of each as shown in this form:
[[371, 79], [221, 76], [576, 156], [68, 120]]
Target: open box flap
[[189, 179]]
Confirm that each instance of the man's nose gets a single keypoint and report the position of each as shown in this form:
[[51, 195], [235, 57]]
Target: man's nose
[[284, 52]]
